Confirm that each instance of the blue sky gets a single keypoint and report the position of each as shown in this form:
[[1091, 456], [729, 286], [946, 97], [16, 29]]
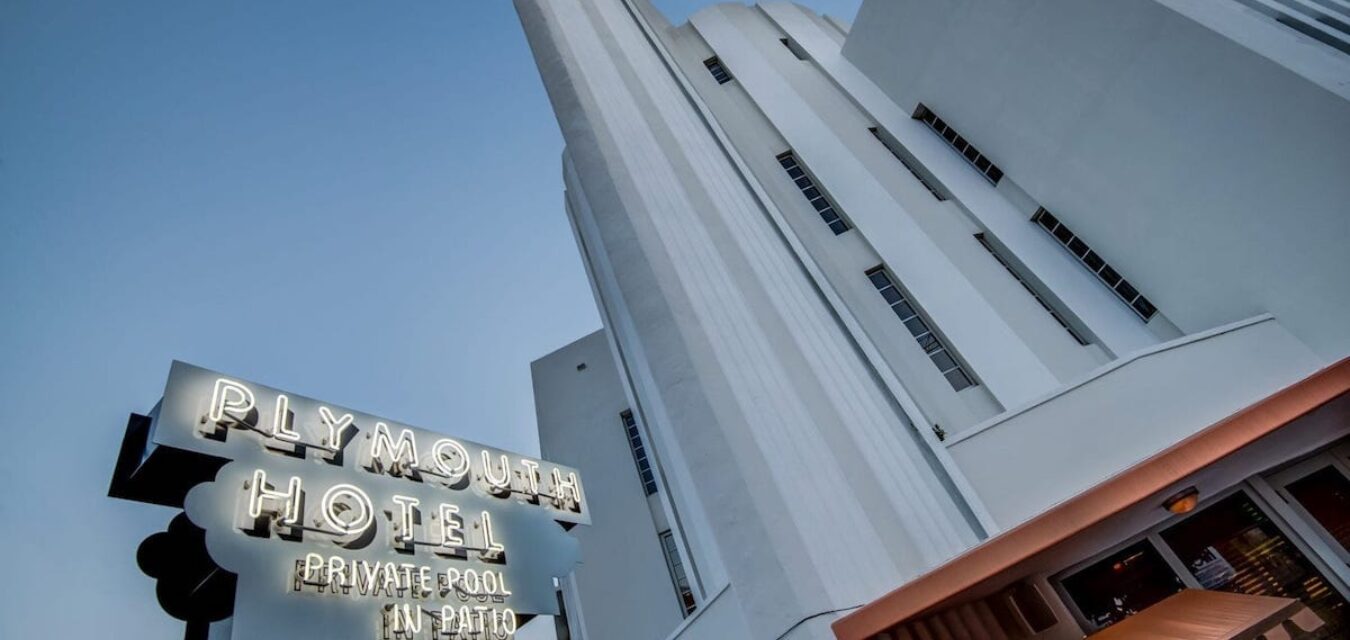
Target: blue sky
[[355, 201]]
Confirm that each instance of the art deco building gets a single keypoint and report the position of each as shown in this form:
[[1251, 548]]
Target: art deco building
[[974, 319]]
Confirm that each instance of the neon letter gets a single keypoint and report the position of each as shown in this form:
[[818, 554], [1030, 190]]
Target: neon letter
[[356, 500], [405, 527], [281, 428], [497, 484], [404, 453], [258, 491], [230, 399], [438, 458]]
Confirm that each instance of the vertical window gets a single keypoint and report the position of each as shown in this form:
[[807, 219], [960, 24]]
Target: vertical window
[[923, 334], [962, 146], [813, 194], [1080, 250], [644, 466], [1025, 285], [719, 72], [914, 172], [677, 575]]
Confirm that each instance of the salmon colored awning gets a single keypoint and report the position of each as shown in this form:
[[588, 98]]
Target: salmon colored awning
[[1195, 614], [1061, 522]]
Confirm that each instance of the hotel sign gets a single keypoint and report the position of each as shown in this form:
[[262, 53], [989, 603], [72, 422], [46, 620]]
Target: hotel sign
[[341, 524]]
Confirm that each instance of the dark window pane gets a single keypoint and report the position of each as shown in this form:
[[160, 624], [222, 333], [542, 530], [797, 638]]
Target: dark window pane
[[950, 136], [1122, 584], [903, 310], [811, 193], [928, 342], [821, 204], [1233, 546], [802, 181], [982, 164], [1144, 307], [1325, 495], [879, 279], [891, 295], [1109, 275], [1078, 247], [1046, 219], [916, 326], [1126, 291], [944, 361], [958, 379], [994, 174], [838, 227], [971, 154], [1093, 261], [787, 161], [796, 172], [1063, 234]]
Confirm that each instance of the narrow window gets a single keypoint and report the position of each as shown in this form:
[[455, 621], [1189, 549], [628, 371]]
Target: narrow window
[[931, 344], [822, 204], [1094, 263], [677, 576], [984, 165], [984, 242], [719, 72], [644, 465], [795, 48], [912, 171]]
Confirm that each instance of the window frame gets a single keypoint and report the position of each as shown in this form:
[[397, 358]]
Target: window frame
[[1114, 281], [930, 328], [840, 224], [646, 472]]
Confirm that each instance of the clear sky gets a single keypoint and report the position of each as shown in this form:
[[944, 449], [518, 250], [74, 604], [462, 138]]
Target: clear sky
[[355, 201]]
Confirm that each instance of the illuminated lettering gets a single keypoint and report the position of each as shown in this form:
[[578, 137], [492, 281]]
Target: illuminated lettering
[[332, 443], [566, 492], [531, 476], [404, 453], [497, 483], [353, 499], [281, 420], [230, 400], [451, 526], [403, 532], [491, 548], [290, 498], [407, 619], [439, 454]]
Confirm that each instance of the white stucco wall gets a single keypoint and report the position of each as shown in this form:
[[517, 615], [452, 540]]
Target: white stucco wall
[[1212, 175], [815, 492], [578, 413]]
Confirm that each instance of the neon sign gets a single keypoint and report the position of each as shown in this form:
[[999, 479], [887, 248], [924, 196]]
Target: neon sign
[[341, 524]]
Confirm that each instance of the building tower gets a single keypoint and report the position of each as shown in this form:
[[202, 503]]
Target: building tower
[[875, 294]]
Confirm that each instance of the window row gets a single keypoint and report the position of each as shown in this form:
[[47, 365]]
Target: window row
[[931, 344], [914, 172], [1118, 284], [718, 71], [677, 574], [984, 242], [828, 212], [644, 466], [962, 146]]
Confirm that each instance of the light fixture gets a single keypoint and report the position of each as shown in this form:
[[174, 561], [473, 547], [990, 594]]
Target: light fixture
[[1183, 502]]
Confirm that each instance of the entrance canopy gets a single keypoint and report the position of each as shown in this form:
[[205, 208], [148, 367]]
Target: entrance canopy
[[1008, 557]]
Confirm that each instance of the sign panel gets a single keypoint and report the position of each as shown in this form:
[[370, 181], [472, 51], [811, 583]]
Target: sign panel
[[342, 524]]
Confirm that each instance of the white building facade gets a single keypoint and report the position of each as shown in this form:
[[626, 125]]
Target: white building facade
[[875, 295]]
